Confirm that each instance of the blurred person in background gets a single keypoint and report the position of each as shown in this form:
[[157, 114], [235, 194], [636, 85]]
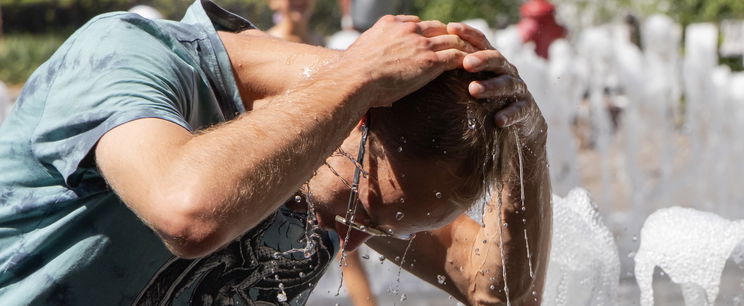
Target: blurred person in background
[[292, 21], [360, 15], [538, 25]]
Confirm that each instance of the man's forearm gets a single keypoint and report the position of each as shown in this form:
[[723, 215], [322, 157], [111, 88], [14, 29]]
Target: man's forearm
[[516, 239], [281, 144]]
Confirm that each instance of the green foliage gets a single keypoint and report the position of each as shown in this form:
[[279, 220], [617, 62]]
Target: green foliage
[[496, 13], [691, 11], [21, 54]]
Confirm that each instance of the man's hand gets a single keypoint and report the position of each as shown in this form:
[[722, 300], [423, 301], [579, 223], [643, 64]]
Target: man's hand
[[523, 111], [400, 54]]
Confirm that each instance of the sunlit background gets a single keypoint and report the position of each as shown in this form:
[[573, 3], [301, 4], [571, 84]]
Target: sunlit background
[[645, 103]]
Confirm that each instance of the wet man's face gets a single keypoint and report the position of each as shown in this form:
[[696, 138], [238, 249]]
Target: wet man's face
[[399, 195]]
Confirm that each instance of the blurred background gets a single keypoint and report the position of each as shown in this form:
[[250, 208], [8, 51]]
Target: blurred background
[[645, 103]]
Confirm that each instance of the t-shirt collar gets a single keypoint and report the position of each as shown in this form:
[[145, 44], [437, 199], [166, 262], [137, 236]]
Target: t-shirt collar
[[213, 18]]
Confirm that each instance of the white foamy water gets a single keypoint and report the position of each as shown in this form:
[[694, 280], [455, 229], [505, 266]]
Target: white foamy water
[[690, 246], [584, 266]]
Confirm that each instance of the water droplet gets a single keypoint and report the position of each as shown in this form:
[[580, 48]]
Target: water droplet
[[506, 224], [438, 195], [449, 297], [444, 152], [493, 287], [534, 292], [277, 255], [524, 208], [403, 297], [461, 268], [402, 200], [298, 199], [662, 273], [477, 251], [631, 254], [400, 149], [441, 279], [397, 258], [381, 258], [485, 241], [399, 216], [428, 214], [281, 297], [276, 277], [524, 221], [635, 238], [390, 231], [403, 139], [302, 274]]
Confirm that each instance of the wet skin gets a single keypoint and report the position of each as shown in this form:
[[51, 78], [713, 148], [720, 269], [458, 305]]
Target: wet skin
[[391, 177]]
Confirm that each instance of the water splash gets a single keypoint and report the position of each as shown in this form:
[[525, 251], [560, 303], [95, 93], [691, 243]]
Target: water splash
[[281, 296], [691, 246], [584, 265], [441, 279], [312, 229]]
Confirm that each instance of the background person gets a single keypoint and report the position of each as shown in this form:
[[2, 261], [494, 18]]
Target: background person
[[292, 21]]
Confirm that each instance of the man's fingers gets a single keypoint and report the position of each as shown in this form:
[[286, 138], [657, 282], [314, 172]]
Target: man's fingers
[[488, 60], [443, 42], [451, 58], [469, 34], [407, 18], [431, 28], [503, 86], [512, 114]]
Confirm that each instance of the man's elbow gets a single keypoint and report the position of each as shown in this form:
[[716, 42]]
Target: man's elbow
[[189, 228], [190, 239]]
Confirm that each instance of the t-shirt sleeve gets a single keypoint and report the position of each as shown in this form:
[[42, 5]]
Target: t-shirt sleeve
[[110, 74]]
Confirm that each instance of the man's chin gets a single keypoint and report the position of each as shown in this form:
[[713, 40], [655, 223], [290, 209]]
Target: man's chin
[[355, 238]]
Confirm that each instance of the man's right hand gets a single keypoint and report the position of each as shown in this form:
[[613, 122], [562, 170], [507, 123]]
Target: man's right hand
[[401, 54]]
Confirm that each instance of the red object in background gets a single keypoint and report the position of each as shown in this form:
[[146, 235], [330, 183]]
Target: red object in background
[[538, 25]]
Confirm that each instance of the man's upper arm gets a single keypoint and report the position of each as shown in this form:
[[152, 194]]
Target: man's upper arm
[[134, 159]]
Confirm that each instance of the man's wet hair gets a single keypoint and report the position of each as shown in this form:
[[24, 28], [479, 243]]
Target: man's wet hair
[[442, 122]]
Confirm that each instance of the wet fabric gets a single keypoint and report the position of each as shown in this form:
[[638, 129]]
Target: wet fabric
[[65, 237]]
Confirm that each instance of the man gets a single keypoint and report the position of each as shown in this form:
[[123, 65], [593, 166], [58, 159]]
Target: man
[[115, 158], [292, 21]]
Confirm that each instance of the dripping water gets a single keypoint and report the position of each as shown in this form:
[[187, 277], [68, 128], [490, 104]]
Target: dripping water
[[402, 262], [311, 229], [501, 244], [353, 204], [521, 198]]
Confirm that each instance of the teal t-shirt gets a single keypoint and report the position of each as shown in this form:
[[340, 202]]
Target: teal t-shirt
[[66, 238]]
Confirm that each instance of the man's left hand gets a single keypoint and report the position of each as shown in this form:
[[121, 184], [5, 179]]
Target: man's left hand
[[523, 111]]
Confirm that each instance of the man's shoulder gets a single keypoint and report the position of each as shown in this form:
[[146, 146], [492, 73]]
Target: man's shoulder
[[122, 28]]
